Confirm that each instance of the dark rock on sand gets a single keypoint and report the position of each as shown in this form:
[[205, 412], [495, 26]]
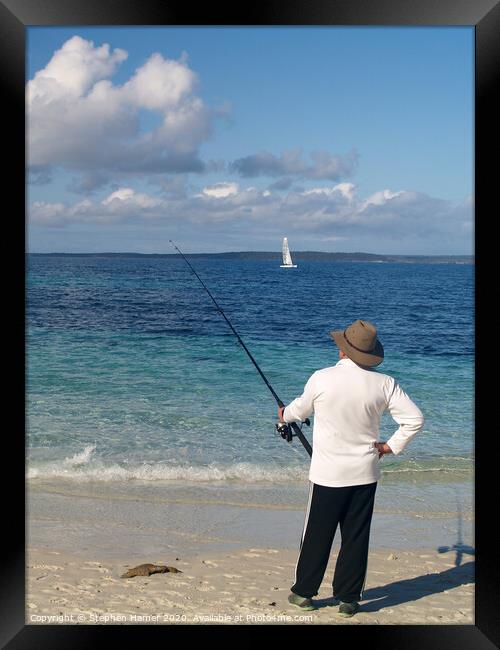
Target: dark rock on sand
[[149, 569]]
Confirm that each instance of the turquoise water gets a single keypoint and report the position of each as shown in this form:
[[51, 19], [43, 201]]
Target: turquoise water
[[133, 375]]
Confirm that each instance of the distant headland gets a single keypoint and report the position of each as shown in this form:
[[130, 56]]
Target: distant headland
[[310, 256]]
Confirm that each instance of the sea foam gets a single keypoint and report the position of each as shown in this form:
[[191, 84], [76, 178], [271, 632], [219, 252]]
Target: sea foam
[[87, 466], [214, 472]]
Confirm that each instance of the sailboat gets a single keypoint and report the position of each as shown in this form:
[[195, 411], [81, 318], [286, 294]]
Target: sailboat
[[287, 258]]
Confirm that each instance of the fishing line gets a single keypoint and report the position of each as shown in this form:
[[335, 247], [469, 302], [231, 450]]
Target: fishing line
[[285, 430]]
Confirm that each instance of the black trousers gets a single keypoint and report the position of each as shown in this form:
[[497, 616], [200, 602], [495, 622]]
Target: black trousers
[[352, 508]]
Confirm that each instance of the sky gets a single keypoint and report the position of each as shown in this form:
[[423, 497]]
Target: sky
[[350, 139]]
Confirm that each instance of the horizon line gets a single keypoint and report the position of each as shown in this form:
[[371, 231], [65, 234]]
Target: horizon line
[[261, 252]]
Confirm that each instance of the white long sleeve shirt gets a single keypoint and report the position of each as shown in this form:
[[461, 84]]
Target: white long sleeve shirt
[[348, 401]]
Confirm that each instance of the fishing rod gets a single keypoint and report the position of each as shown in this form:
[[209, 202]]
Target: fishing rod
[[286, 430]]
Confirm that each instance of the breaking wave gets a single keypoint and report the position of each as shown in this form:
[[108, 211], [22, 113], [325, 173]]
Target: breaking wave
[[86, 466]]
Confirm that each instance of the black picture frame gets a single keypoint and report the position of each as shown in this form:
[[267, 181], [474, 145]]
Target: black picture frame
[[15, 17]]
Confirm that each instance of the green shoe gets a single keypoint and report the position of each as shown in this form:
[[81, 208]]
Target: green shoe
[[299, 601], [348, 609]]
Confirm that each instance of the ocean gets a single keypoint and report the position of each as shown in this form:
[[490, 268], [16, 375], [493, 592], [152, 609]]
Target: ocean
[[134, 378]]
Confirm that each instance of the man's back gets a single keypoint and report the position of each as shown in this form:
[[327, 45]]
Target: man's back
[[348, 401]]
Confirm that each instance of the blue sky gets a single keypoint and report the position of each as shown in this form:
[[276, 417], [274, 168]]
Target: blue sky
[[341, 138]]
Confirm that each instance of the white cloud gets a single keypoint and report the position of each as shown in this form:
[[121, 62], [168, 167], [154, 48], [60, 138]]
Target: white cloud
[[127, 197], [73, 70], [345, 189], [386, 220], [221, 190], [379, 198], [48, 214], [160, 84], [122, 205], [77, 118], [123, 194]]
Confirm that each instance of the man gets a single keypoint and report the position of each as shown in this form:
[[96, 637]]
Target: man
[[348, 400]]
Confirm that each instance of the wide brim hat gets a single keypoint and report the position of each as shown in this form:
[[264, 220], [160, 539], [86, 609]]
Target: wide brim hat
[[360, 343]]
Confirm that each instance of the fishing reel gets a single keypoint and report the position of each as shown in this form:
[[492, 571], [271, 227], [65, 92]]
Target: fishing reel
[[285, 429]]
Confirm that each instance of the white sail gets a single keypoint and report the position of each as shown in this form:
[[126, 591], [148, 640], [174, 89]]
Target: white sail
[[287, 258]]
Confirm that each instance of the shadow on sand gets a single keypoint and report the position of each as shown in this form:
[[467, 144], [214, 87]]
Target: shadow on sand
[[412, 589]]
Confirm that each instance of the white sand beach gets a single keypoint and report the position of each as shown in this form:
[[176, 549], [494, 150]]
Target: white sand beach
[[81, 539], [246, 587]]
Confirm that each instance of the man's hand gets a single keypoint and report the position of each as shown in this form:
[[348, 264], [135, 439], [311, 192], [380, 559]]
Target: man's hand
[[280, 413], [383, 448]]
